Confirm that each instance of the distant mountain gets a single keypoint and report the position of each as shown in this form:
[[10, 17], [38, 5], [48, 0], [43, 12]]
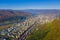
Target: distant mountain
[[10, 15], [16, 14], [13, 13], [43, 11]]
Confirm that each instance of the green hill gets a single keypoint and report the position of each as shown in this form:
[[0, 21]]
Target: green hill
[[48, 31]]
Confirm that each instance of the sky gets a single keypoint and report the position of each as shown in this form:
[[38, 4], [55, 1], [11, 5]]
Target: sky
[[29, 4]]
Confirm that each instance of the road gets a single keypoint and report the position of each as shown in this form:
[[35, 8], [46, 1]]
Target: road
[[27, 32]]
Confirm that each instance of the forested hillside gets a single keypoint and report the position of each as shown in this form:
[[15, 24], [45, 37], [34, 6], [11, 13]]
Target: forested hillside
[[48, 31]]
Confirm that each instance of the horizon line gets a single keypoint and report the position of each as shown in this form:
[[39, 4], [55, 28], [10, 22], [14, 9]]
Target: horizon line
[[31, 9]]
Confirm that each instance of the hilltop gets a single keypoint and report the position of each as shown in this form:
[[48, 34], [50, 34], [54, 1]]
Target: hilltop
[[11, 13]]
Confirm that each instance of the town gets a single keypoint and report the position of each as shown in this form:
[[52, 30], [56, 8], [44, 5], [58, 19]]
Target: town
[[18, 29]]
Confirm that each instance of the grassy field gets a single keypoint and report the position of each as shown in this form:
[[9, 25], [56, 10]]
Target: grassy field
[[48, 31]]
